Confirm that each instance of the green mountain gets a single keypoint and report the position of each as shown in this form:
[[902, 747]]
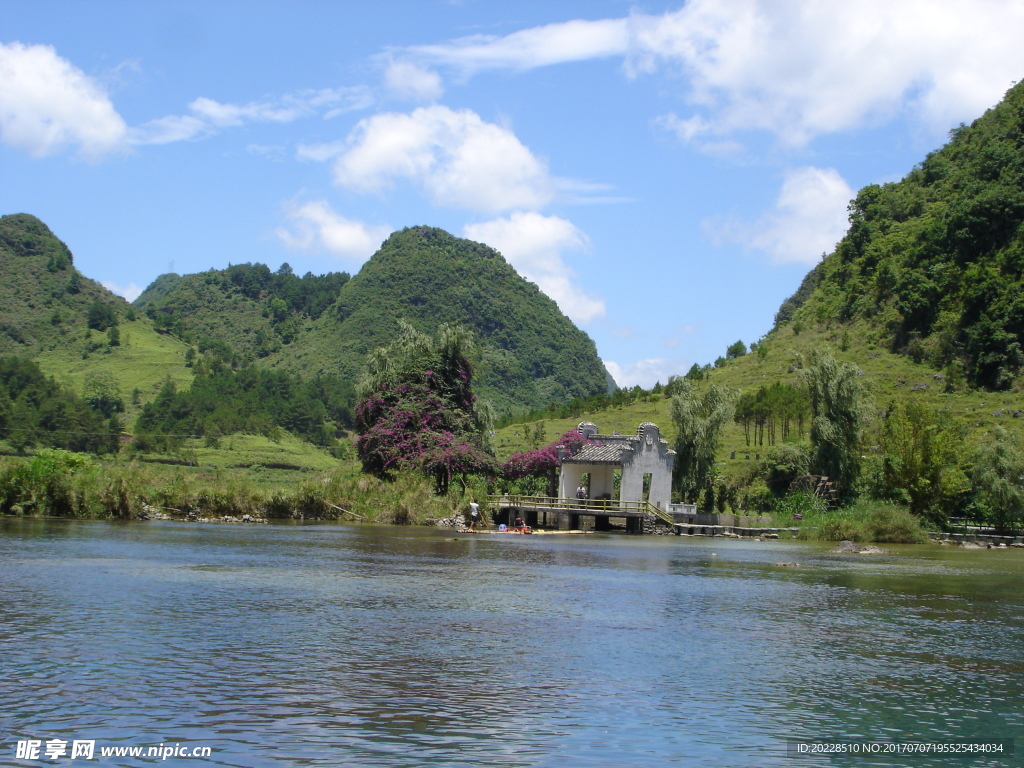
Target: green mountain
[[933, 265], [924, 294], [73, 327], [530, 355]]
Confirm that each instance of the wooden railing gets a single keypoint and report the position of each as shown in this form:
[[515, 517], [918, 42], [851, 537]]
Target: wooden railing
[[583, 506], [659, 513]]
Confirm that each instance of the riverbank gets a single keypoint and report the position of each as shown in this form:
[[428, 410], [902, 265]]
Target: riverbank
[[63, 484]]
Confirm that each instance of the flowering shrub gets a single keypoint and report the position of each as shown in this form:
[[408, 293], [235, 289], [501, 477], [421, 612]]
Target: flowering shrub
[[421, 418], [543, 461]]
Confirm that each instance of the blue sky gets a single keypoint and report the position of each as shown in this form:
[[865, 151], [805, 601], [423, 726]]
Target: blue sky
[[667, 172]]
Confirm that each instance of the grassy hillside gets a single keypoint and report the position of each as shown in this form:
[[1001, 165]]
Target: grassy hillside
[[890, 377], [72, 325], [143, 361], [925, 294], [44, 301]]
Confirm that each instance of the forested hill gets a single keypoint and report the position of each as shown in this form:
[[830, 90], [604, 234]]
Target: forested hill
[[531, 354], [44, 300], [934, 264], [245, 312]]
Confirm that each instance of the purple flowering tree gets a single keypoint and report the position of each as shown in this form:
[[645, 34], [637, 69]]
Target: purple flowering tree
[[544, 462], [418, 410]]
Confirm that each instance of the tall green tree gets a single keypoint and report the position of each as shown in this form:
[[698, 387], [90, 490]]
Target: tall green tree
[[922, 460], [102, 391], [997, 480], [737, 349], [838, 404], [699, 416]]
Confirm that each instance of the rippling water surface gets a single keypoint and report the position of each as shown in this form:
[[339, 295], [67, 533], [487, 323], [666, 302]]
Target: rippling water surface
[[324, 645]]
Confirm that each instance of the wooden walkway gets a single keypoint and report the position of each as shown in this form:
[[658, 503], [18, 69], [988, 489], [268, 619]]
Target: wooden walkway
[[565, 514]]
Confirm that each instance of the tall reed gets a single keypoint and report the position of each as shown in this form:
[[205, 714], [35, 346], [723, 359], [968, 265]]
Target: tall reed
[[64, 484]]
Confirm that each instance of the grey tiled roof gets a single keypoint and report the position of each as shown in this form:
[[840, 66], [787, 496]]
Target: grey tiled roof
[[597, 454]]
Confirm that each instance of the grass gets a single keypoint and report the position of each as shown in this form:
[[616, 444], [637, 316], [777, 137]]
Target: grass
[[143, 361], [64, 484], [245, 451], [888, 377], [864, 521]]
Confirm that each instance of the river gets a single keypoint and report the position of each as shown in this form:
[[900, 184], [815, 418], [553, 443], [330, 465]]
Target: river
[[332, 645]]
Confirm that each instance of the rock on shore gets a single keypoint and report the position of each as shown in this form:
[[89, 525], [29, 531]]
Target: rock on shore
[[852, 548]]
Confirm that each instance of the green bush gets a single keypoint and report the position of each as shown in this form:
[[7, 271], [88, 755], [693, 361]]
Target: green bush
[[838, 526], [864, 521], [890, 523], [783, 464], [799, 503], [52, 483], [62, 483]]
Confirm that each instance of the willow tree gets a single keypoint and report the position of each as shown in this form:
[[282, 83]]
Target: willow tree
[[923, 453], [997, 480], [417, 409], [699, 418], [838, 404]]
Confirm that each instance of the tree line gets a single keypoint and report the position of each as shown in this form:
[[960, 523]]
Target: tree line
[[287, 299], [772, 412], [253, 400], [36, 410]]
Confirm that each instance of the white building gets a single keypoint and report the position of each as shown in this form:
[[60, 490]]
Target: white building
[[644, 461]]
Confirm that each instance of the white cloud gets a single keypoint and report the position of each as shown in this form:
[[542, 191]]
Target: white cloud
[[130, 292], [48, 104], [274, 152], [408, 80], [207, 117], [686, 129], [797, 68], [575, 40], [534, 245], [803, 68], [167, 130], [315, 226], [458, 159], [646, 373], [809, 217], [322, 152]]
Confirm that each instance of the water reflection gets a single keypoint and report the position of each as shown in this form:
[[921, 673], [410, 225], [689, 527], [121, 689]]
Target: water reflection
[[339, 645]]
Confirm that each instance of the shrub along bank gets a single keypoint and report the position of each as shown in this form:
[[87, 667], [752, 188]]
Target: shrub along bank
[[863, 521], [64, 484]]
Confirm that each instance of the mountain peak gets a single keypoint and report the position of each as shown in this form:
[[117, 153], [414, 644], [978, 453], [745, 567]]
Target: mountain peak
[[531, 354]]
